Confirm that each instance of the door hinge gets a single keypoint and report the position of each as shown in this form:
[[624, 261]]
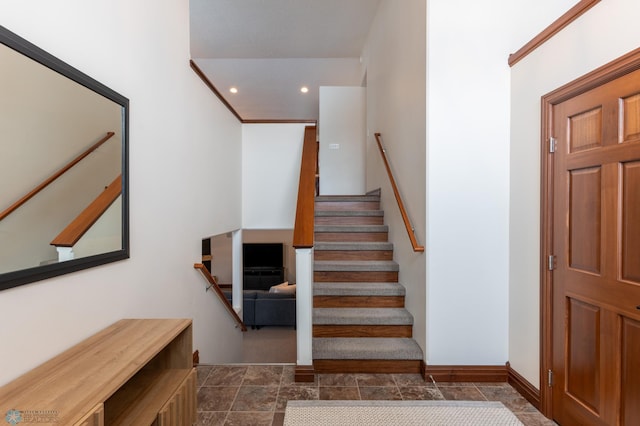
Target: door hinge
[[552, 144], [552, 262], [550, 378]]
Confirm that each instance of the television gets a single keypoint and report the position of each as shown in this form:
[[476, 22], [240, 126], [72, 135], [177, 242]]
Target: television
[[263, 255]]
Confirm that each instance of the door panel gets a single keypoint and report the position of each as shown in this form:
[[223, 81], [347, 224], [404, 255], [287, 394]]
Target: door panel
[[630, 372], [630, 125], [584, 219], [596, 241], [582, 379], [631, 222], [585, 130]]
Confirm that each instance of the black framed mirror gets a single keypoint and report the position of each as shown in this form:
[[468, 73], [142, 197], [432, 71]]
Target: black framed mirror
[[64, 201]]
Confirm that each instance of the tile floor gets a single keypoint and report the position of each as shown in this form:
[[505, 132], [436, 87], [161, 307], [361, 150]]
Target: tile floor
[[257, 394]]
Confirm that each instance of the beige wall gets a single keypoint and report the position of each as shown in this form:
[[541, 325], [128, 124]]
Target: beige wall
[[47, 120], [604, 33]]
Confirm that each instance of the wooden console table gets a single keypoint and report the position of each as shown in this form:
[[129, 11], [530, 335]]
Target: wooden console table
[[135, 372]]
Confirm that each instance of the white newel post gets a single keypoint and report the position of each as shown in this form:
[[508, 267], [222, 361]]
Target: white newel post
[[65, 253], [304, 305], [236, 271]]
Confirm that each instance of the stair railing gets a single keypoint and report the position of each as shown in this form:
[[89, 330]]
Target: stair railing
[[54, 176], [303, 228], [405, 217], [216, 288], [303, 243], [83, 222]]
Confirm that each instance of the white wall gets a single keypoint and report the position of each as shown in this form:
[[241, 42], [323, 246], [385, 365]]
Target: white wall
[[394, 60], [185, 164], [342, 123], [604, 33], [468, 172], [468, 175], [271, 155]]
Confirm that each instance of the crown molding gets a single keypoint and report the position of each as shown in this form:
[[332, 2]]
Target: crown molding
[[571, 15], [226, 103]]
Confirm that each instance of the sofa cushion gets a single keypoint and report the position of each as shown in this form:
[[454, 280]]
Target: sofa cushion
[[276, 296], [250, 294]]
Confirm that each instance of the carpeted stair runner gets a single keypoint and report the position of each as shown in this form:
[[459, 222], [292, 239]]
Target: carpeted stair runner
[[344, 213], [359, 246], [351, 265], [347, 198], [360, 323], [358, 289], [361, 316], [359, 348]]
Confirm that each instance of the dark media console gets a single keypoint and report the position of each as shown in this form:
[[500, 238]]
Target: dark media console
[[262, 278]]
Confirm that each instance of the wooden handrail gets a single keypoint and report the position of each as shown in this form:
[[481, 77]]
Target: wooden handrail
[[303, 228], [396, 192], [81, 224], [213, 284], [54, 176]]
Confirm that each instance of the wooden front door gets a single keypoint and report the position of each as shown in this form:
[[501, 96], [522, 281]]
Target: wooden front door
[[595, 278]]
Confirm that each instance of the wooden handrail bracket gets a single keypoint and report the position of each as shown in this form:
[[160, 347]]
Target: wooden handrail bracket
[[303, 228], [81, 224], [396, 192], [54, 176], [216, 288]]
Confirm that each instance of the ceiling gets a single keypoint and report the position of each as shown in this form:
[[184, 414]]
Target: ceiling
[[269, 49]]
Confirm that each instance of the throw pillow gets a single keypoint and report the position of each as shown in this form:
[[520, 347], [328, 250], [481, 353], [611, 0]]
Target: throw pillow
[[283, 288]]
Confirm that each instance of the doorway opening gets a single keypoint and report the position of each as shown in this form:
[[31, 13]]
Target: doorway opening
[[268, 306]]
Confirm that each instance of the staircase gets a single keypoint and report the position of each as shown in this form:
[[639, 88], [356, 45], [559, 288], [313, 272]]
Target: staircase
[[360, 324]]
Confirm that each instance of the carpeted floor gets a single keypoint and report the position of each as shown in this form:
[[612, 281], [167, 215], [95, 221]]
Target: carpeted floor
[[398, 413], [269, 345]]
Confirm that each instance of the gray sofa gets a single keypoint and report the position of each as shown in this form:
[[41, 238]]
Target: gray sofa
[[261, 308]]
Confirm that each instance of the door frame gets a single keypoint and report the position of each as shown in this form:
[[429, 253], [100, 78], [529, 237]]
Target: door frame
[[611, 71]]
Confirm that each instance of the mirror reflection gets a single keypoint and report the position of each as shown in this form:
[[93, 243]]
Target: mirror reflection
[[63, 146]]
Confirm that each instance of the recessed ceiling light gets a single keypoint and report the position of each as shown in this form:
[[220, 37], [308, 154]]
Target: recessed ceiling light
[[304, 89], [233, 90]]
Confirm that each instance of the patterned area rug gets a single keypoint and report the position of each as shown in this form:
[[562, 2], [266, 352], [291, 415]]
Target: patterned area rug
[[398, 413]]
